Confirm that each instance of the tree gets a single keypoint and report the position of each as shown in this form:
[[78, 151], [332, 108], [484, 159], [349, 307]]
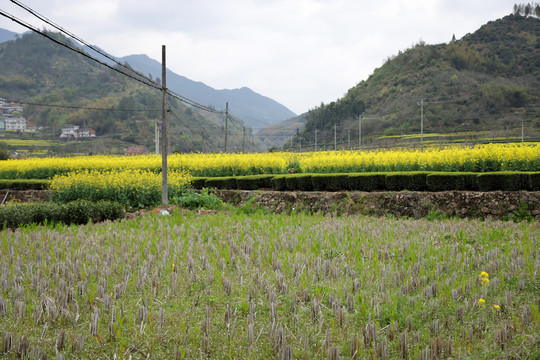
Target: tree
[[4, 151], [527, 10]]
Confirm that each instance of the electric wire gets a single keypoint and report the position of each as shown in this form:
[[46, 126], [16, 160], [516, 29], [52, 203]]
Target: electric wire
[[83, 107], [30, 27], [149, 82], [77, 38], [146, 81], [190, 102]]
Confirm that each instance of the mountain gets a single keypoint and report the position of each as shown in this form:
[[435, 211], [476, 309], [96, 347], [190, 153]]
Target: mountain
[[6, 35], [68, 88], [480, 87], [254, 109], [277, 135]]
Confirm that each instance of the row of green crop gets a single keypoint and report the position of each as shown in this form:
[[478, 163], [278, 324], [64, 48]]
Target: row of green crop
[[24, 184], [75, 212], [395, 181]]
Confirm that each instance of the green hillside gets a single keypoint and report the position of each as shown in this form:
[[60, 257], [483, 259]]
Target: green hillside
[[275, 136], [478, 88], [36, 70]]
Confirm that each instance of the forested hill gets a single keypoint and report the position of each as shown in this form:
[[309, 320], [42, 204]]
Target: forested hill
[[6, 35], [485, 83], [36, 70]]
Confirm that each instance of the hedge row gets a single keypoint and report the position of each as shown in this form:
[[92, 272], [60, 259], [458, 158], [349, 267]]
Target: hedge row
[[24, 184], [394, 181], [250, 182], [75, 212]]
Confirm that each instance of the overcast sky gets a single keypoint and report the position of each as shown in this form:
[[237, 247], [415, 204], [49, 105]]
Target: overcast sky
[[297, 52]]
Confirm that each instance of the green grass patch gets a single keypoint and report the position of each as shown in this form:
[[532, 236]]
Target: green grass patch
[[75, 212], [228, 285]]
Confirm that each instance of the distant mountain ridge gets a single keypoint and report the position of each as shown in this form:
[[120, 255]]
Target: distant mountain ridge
[[253, 109], [6, 35], [63, 87]]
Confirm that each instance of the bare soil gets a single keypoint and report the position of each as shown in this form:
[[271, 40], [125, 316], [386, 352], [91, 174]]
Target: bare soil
[[23, 195]]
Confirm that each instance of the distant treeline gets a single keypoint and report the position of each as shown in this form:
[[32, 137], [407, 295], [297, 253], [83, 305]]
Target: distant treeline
[[530, 9]]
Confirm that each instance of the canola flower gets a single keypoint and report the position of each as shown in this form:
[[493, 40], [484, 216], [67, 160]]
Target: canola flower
[[484, 278], [196, 164], [133, 188], [481, 158]]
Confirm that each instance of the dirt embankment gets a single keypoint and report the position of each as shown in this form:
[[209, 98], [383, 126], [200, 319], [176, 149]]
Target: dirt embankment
[[23, 195], [464, 204], [496, 204]]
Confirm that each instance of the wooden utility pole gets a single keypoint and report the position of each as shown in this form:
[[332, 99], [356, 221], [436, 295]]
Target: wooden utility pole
[[244, 141], [522, 131], [226, 123], [202, 140], [156, 139], [335, 137], [164, 138], [360, 132], [422, 124]]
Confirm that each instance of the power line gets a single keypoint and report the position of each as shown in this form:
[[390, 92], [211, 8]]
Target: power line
[[70, 34], [188, 101], [146, 81], [234, 122], [30, 27], [453, 98], [83, 107]]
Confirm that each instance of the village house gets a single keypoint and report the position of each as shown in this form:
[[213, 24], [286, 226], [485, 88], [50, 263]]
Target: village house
[[14, 124], [10, 107], [76, 132], [9, 121]]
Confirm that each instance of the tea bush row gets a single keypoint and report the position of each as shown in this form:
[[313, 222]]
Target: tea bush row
[[394, 181], [75, 212], [24, 184]]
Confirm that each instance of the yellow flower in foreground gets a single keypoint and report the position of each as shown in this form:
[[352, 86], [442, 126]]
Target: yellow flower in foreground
[[484, 278], [481, 302], [496, 307]]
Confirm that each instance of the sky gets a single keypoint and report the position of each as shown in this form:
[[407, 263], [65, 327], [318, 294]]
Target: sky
[[300, 53]]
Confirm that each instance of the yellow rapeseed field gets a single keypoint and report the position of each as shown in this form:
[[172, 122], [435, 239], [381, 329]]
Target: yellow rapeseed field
[[133, 187], [482, 158]]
